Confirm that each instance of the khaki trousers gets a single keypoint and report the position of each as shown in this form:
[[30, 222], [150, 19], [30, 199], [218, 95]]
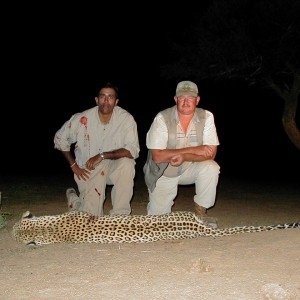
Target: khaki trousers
[[119, 173]]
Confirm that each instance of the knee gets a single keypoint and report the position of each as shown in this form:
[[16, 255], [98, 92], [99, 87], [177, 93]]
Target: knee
[[127, 165], [211, 167]]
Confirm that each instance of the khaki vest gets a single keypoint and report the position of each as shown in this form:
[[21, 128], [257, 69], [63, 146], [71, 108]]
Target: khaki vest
[[152, 170]]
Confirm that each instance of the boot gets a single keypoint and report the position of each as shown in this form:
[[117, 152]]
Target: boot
[[74, 202], [202, 213], [200, 210]]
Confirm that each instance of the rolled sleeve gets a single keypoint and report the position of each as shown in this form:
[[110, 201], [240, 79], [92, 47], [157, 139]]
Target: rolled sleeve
[[157, 135], [132, 140], [210, 136], [67, 134]]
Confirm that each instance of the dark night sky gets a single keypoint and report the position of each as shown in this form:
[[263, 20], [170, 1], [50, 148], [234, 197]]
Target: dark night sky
[[54, 59]]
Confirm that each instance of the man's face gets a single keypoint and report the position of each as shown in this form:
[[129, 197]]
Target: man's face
[[106, 100], [186, 104]]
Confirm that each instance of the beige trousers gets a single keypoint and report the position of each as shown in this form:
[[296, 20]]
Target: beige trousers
[[204, 175], [92, 193]]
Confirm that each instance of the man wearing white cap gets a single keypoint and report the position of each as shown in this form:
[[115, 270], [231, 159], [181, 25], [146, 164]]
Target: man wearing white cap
[[182, 143]]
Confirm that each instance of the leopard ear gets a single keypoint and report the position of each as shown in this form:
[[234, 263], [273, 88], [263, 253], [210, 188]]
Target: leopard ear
[[31, 244], [27, 215]]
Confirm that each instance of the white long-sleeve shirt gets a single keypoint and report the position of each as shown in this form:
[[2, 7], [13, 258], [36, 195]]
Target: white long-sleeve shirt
[[91, 136]]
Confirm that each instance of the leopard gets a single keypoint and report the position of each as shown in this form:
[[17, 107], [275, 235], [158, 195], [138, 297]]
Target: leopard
[[82, 227]]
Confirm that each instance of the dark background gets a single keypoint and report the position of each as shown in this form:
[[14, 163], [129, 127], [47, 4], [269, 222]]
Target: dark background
[[54, 58]]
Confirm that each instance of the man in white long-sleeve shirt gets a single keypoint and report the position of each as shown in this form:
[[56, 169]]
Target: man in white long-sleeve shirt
[[106, 146]]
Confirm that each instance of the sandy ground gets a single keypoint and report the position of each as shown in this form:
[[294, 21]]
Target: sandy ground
[[264, 265]]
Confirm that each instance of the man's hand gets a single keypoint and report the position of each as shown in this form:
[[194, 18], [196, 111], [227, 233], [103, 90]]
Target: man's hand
[[93, 162], [80, 173], [176, 160]]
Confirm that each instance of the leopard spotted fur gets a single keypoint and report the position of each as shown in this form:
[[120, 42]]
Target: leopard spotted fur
[[79, 227]]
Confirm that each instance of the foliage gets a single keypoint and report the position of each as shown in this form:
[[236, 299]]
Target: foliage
[[2, 221], [257, 41], [238, 38]]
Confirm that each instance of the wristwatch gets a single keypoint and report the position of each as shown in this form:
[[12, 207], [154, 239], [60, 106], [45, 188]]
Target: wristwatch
[[102, 155]]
